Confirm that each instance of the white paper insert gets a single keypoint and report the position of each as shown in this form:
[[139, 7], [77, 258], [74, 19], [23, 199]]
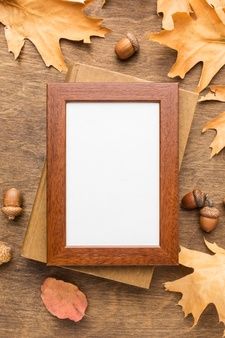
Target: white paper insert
[[112, 174]]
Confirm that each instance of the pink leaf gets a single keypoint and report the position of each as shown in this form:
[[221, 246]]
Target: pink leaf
[[63, 300]]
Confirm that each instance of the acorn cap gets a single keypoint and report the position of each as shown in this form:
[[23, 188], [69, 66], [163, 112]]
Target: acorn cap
[[208, 201], [210, 212], [199, 197], [134, 41], [12, 212]]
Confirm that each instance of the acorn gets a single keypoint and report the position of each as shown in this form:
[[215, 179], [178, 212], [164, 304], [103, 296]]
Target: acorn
[[209, 217], [127, 46], [194, 199], [12, 203]]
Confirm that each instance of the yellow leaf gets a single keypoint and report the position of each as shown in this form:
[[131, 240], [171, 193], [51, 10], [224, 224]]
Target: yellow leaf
[[218, 123], [44, 23], [205, 285], [199, 39], [217, 94], [170, 7]]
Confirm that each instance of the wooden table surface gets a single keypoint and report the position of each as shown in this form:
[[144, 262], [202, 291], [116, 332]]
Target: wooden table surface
[[115, 310]]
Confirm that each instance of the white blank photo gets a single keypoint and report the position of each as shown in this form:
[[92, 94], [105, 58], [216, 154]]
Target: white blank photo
[[112, 174]]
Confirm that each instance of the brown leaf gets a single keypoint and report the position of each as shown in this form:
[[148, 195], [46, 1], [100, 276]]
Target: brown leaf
[[170, 7], [218, 123], [44, 23], [199, 39], [217, 94], [205, 285], [63, 300]]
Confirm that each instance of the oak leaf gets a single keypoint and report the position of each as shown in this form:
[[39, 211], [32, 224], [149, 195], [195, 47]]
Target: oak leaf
[[205, 285], [196, 39], [217, 93], [170, 7], [218, 123], [44, 23], [219, 6], [63, 300]]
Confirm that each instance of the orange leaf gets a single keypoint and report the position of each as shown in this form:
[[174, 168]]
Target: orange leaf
[[205, 285], [63, 300], [44, 23], [218, 123], [219, 6], [217, 94], [199, 39], [170, 7]]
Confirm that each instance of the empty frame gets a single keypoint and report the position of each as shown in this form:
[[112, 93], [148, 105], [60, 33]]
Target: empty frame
[[112, 174]]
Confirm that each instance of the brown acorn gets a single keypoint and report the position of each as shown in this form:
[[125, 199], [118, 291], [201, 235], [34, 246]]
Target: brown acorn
[[194, 199], [12, 203], [209, 217], [126, 46]]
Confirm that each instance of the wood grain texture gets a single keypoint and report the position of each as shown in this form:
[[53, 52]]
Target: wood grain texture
[[115, 310], [58, 95]]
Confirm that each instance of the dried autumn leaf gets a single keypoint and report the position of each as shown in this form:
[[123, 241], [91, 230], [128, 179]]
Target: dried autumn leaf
[[217, 94], [219, 6], [218, 123], [44, 23], [217, 3], [199, 39], [63, 300], [205, 285], [170, 7]]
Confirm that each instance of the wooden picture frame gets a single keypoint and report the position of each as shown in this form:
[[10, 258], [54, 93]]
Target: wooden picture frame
[[60, 96]]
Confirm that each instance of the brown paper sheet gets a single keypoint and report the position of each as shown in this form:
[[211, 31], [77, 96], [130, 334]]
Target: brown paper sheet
[[35, 247]]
